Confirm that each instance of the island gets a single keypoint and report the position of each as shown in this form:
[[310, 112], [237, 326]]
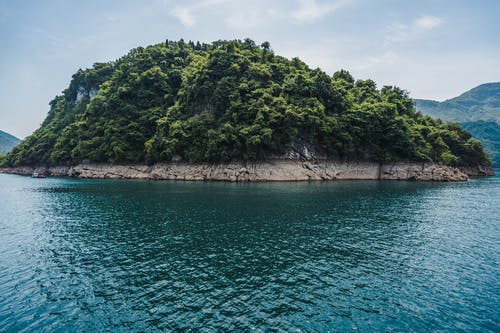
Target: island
[[236, 111]]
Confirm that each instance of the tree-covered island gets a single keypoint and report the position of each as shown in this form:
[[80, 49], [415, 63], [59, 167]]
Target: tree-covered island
[[233, 100]]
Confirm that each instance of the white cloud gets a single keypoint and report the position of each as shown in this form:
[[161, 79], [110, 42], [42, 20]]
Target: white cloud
[[254, 18], [208, 3], [245, 19], [428, 22], [387, 58], [184, 15], [243, 15], [310, 10], [399, 32]]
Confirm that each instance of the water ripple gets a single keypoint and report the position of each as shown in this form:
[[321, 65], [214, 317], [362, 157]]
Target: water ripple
[[166, 256]]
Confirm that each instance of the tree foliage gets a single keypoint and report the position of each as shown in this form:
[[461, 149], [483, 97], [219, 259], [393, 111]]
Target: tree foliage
[[233, 100]]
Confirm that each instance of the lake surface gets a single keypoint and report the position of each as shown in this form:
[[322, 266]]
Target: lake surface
[[99, 255]]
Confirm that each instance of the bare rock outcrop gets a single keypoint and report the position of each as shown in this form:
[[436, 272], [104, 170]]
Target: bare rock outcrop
[[478, 170], [422, 171], [271, 170]]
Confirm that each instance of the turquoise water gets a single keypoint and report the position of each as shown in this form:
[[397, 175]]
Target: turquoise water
[[95, 255]]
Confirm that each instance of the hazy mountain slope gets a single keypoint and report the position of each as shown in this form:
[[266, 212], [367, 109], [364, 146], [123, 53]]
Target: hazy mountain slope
[[489, 134], [478, 110], [479, 103], [7, 142]]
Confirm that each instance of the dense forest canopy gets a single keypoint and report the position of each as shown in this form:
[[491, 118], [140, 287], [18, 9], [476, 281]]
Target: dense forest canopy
[[233, 100]]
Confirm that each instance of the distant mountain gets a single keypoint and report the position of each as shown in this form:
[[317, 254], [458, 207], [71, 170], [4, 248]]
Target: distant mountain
[[7, 142], [478, 110], [480, 103], [489, 134]]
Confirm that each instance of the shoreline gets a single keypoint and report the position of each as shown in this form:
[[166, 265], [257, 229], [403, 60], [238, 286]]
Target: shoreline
[[263, 171]]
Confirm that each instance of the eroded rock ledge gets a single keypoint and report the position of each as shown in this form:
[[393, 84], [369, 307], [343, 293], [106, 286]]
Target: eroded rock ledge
[[273, 170]]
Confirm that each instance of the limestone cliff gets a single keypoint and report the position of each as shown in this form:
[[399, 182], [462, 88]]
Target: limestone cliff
[[272, 170]]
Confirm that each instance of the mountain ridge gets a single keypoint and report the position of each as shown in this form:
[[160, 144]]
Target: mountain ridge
[[7, 142], [477, 110], [479, 103]]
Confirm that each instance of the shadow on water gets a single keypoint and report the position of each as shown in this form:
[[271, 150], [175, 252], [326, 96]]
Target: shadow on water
[[361, 255]]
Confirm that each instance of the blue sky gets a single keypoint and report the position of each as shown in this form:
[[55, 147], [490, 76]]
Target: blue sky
[[435, 49]]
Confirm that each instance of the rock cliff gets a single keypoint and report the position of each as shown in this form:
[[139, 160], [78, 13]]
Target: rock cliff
[[272, 170]]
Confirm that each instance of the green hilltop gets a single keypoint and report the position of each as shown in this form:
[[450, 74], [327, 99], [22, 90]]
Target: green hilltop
[[233, 100]]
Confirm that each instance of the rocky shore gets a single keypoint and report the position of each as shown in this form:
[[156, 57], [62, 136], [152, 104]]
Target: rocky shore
[[272, 170]]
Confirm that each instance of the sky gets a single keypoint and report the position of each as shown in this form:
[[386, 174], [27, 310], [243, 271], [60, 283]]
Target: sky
[[435, 49]]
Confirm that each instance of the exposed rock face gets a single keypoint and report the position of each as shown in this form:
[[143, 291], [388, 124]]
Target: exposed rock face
[[421, 171], [478, 170], [302, 150], [25, 170], [273, 170], [82, 92]]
